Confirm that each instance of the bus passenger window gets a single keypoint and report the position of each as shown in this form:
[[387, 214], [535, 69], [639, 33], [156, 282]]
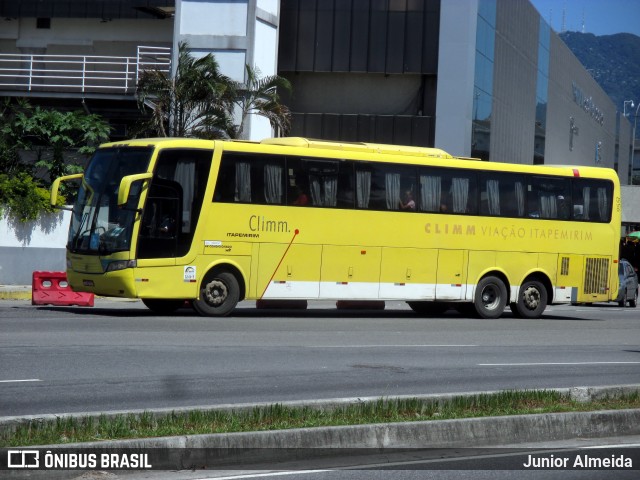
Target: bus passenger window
[[549, 197]]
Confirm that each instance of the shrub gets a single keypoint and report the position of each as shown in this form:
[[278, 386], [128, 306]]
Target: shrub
[[23, 199]]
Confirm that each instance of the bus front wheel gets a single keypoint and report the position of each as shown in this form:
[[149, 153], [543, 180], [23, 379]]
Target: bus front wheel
[[491, 297], [219, 295], [532, 299]]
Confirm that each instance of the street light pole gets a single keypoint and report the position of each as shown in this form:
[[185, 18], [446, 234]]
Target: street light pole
[[624, 106], [633, 145]]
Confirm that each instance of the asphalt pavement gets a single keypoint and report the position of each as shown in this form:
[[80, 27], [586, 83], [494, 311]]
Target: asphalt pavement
[[519, 430]]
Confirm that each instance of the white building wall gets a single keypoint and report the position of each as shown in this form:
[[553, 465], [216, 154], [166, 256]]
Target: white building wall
[[225, 18], [85, 32], [26, 247]]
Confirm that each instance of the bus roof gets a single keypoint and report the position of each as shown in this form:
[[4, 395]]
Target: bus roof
[[378, 148], [357, 147]]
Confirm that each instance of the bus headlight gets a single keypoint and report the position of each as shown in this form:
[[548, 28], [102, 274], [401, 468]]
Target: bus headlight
[[121, 265]]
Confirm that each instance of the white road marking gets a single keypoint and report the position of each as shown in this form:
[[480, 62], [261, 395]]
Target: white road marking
[[553, 363], [381, 346], [24, 380]]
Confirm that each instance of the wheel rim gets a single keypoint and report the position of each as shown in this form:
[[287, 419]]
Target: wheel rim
[[531, 298], [215, 293], [490, 297]]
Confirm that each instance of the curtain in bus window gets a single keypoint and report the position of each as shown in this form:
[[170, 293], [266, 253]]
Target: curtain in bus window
[[430, 191], [273, 184], [519, 189], [243, 182], [363, 188], [392, 190], [460, 193], [603, 204], [493, 197], [315, 190], [586, 199], [330, 191], [186, 176], [548, 206]]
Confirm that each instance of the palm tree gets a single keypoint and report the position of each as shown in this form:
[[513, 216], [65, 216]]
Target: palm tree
[[196, 102], [199, 101], [260, 96]]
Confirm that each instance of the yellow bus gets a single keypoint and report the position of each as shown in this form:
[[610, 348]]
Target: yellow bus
[[216, 222]]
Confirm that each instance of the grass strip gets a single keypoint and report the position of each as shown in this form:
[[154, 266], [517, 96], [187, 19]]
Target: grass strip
[[279, 417]]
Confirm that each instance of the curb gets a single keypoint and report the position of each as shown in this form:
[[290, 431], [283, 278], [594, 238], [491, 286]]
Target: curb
[[485, 431], [15, 292]]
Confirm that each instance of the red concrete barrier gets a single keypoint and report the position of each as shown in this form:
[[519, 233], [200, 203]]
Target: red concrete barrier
[[52, 288]]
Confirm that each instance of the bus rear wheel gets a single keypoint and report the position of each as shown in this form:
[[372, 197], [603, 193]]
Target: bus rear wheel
[[219, 295], [491, 297], [161, 306], [532, 299]]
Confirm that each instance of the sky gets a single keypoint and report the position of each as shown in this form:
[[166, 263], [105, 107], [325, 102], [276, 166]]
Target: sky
[[601, 17]]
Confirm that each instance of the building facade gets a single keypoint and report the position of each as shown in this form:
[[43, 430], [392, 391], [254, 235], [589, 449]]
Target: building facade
[[480, 78]]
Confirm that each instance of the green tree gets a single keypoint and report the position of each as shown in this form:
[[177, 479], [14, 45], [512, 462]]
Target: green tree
[[199, 101], [260, 96], [56, 137], [195, 102], [11, 141], [50, 133]]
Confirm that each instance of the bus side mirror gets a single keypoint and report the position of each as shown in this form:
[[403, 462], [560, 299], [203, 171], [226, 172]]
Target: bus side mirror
[[55, 186], [125, 186]]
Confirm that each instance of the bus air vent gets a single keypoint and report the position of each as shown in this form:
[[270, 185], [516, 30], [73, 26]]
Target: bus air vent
[[564, 268], [596, 276]]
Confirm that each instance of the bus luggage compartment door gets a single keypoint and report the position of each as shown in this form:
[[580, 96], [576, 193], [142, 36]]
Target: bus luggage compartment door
[[451, 279], [288, 271], [408, 273], [350, 272]]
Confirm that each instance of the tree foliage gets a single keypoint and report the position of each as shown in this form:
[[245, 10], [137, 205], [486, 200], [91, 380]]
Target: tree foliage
[[56, 137], [194, 103], [50, 133], [22, 198], [260, 96], [199, 101]]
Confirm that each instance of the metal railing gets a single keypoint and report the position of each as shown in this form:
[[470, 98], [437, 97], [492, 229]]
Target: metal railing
[[80, 73]]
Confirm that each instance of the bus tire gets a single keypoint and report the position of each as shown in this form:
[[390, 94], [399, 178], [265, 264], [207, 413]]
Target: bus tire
[[162, 306], [491, 297], [429, 308], [219, 295], [532, 299]]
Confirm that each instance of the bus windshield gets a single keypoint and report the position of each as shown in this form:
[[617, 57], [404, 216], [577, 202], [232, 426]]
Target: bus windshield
[[98, 226]]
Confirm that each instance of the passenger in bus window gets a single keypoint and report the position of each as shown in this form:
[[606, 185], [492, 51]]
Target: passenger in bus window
[[563, 208], [301, 197], [408, 203]]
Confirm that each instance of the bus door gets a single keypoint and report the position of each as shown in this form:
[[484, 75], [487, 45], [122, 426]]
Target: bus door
[[450, 279], [169, 220]]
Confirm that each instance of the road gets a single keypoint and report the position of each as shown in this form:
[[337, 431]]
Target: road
[[119, 356]]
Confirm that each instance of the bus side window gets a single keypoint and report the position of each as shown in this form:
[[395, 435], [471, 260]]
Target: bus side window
[[225, 183], [549, 197], [430, 182], [592, 200]]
